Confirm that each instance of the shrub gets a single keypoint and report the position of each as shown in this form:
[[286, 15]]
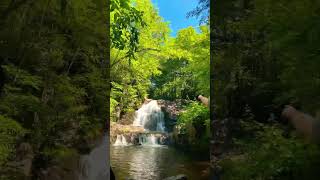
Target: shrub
[[269, 155], [194, 121]]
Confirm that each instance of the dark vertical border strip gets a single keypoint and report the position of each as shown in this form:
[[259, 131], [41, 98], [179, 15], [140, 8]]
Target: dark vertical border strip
[[217, 139], [212, 172], [107, 126]]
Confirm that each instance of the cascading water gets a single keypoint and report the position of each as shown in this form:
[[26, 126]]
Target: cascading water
[[153, 139], [148, 139], [150, 117], [121, 141]]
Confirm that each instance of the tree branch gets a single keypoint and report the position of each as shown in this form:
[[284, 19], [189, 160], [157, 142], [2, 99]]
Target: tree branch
[[138, 51]]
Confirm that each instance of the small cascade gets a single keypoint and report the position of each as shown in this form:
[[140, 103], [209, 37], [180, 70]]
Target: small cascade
[[151, 119], [121, 141], [153, 139], [148, 139]]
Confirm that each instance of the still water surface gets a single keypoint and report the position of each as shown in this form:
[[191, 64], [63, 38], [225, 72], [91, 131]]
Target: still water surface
[[154, 162]]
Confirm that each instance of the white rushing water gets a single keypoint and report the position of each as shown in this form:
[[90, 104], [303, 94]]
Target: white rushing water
[[121, 141], [148, 139], [150, 117]]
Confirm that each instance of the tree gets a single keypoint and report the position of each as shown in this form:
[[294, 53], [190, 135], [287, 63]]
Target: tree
[[54, 71], [130, 77]]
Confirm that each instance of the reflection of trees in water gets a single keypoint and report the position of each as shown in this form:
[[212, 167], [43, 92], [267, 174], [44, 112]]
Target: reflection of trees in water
[[143, 162]]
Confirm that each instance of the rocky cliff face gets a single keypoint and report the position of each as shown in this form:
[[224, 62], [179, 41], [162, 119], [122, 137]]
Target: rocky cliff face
[[171, 110]]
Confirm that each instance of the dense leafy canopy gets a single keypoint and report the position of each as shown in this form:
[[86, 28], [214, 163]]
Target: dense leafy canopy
[[163, 68], [264, 56], [54, 73]]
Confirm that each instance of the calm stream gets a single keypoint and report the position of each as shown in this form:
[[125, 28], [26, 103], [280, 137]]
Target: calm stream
[[153, 162]]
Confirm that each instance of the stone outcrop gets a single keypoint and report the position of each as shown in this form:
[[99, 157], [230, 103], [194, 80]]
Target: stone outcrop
[[172, 108], [132, 133], [127, 119]]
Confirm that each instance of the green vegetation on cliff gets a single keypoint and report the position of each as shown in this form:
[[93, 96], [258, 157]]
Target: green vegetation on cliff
[[264, 55], [54, 74]]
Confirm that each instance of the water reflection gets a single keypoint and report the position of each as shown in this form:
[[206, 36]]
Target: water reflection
[[149, 162]]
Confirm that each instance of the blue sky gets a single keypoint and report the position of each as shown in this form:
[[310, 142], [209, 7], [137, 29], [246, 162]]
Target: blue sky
[[175, 11]]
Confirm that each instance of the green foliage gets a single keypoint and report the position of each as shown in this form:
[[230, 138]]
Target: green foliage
[[193, 112], [130, 78], [174, 82], [125, 20], [269, 155], [271, 50], [53, 70], [185, 71], [60, 153], [194, 122], [265, 55], [10, 132]]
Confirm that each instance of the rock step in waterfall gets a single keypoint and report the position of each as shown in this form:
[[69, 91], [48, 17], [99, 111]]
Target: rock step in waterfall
[[151, 119]]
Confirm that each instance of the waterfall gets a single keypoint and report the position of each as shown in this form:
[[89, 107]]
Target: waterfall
[[150, 117], [153, 139], [121, 141], [148, 139]]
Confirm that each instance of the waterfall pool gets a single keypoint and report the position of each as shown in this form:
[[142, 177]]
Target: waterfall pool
[[150, 160], [154, 162]]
